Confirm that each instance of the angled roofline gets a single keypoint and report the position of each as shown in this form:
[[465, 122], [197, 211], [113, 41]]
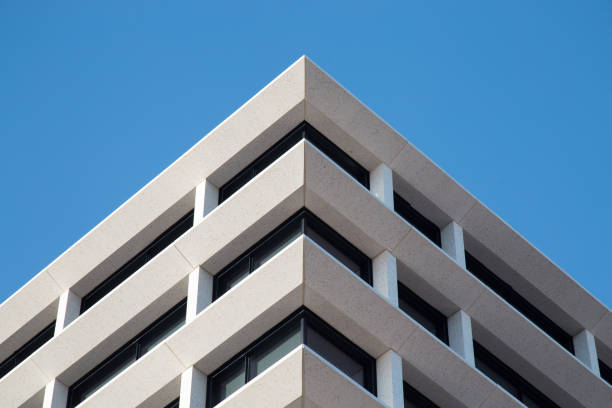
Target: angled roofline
[[304, 92]]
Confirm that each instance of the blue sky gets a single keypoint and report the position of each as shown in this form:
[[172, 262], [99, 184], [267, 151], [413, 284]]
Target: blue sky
[[513, 99]]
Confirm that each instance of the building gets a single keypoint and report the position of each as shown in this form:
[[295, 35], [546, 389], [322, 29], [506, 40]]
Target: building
[[304, 254]]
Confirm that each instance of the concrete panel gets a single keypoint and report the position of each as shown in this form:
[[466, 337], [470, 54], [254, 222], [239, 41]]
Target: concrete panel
[[278, 386], [369, 134], [441, 272], [249, 214], [603, 333], [432, 182], [87, 338], [327, 387], [21, 384], [36, 401], [350, 305], [131, 387], [244, 313], [348, 207], [532, 273], [534, 355], [22, 307], [163, 396]]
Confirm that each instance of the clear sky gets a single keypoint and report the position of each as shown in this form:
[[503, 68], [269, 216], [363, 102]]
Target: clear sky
[[513, 99]]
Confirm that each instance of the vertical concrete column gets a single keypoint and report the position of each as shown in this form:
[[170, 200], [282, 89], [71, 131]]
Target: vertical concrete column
[[193, 389], [381, 184], [199, 292], [206, 199], [389, 379], [384, 276], [460, 336], [585, 350], [68, 309], [56, 395], [452, 242]]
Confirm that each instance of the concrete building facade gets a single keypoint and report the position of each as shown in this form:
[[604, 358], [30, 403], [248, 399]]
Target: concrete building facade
[[304, 254]]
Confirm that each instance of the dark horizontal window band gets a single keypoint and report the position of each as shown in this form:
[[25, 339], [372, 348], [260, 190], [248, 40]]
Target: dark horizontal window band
[[414, 399], [121, 358], [416, 219], [27, 349], [521, 304], [421, 311], [605, 372], [301, 327], [508, 379], [159, 244], [302, 131], [302, 222], [173, 404]]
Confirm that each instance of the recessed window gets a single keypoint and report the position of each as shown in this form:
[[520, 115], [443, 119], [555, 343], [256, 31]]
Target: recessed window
[[605, 372], [521, 304], [159, 244], [303, 222], [509, 380], [127, 354], [414, 399], [302, 327], [27, 349], [303, 131], [416, 219], [421, 311], [173, 404]]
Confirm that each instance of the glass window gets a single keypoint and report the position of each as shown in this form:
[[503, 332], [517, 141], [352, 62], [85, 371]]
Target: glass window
[[423, 312], [302, 327], [134, 264], [606, 372], [416, 219], [127, 354], [27, 349], [301, 222], [414, 399], [508, 379], [332, 353], [229, 380], [303, 131], [507, 292], [269, 353]]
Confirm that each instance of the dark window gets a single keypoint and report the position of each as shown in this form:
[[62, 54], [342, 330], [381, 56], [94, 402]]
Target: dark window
[[303, 131], [173, 404], [605, 372], [27, 349], [303, 222], [144, 256], [416, 219], [521, 304], [423, 312], [127, 354], [302, 327], [508, 379], [414, 399]]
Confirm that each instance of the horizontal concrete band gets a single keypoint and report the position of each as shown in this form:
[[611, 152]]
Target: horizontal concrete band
[[308, 178], [301, 274], [302, 92]]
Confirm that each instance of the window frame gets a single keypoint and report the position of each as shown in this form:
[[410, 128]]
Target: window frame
[[439, 320], [524, 388], [304, 318], [303, 131], [136, 343], [423, 224], [125, 271], [522, 305], [300, 218], [605, 371], [15, 358]]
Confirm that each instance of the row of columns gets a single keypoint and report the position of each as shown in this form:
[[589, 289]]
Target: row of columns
[[388, 366]]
